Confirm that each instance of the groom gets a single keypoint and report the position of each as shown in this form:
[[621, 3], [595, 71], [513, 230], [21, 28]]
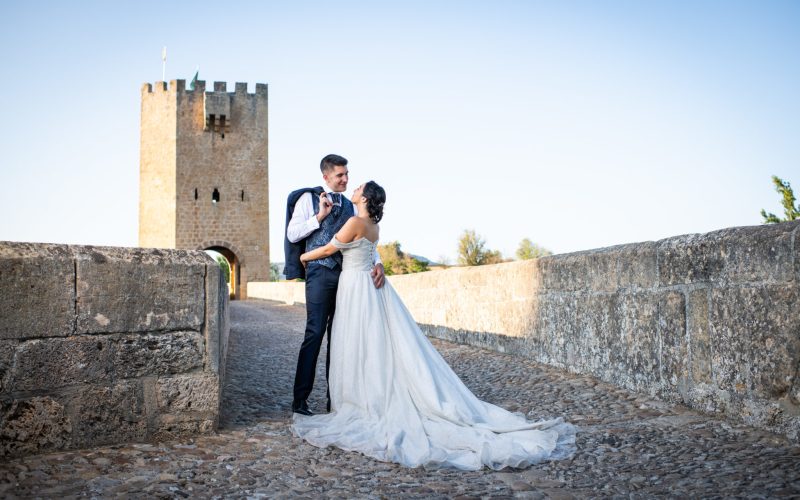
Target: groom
[[313, 216]]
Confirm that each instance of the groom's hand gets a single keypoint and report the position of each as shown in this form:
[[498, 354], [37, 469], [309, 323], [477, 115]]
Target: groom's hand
[[325, 207], [377, 275]]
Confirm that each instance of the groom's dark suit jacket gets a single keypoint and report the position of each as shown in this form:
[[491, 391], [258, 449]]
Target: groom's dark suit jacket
[[294, 268]]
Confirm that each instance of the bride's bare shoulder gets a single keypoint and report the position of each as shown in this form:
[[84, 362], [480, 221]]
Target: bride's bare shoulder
[[352, 230], [356, 223]]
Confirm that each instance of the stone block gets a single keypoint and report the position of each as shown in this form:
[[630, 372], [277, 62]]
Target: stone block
[[602, 270], [521, 280], [742, 254], [765, 414], [708, 398], [224, 326], [635, 361], [699, 336], [637, 266], [571, 272], [759, 253], [556, 323], [211, 330], [139, 355], [137, 290], [674, 341], [595, 336], [730, 343], [188, 393], [108, 414], [756, 343], [34, 425], [38, 298], [692, 258], [7, 350], [43, 364], [559, 272]]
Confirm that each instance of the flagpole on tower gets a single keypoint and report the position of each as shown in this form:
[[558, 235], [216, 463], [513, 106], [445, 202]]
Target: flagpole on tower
[[164, 63], [194, 79]]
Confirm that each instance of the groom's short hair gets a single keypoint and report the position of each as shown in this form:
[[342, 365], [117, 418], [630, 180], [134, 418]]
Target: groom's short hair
[[329, 162]]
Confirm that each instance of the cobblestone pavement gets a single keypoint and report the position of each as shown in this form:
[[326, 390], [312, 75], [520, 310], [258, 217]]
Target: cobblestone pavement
[[629, 446]]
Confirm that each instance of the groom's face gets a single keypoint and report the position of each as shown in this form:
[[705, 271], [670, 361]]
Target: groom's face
[[336, 179]]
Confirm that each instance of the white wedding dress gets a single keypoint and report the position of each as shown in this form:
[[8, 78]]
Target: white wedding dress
[[394, 398]]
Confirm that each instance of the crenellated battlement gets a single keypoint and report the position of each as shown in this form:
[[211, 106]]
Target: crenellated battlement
[[179, 87]]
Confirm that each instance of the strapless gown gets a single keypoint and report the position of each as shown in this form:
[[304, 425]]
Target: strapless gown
[[394, 398]]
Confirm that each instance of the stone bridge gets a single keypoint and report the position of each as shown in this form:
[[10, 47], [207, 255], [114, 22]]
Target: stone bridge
[[629, 445], [678, 360]]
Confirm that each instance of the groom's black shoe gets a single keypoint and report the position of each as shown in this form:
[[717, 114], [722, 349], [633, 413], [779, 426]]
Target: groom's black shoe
[[301, 407]]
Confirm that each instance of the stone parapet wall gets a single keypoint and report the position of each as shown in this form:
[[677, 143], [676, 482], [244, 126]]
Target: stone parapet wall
[[708, 320], [290, 292], [105, 345]]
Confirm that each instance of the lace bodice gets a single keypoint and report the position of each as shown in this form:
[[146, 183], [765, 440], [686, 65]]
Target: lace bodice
[[358, 255]]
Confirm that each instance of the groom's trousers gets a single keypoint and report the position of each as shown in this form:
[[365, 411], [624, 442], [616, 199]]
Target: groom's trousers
[[321, 284]]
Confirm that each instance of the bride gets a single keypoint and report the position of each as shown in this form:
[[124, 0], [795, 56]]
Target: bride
[[393, 396]]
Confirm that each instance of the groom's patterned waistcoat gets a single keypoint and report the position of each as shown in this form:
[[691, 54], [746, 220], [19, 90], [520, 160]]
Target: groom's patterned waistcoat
[[327, 228]]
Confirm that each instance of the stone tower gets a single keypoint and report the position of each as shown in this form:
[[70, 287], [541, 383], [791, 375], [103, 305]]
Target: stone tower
[[203, 174]]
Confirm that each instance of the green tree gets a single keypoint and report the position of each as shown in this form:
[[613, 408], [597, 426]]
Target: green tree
[[530, 250], [493, 257], [225, 267], [416, 265], [395, 261], [472, 250], [274, 272], [790, 211]]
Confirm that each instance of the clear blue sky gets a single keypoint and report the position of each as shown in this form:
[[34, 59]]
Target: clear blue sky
[[575, 124]]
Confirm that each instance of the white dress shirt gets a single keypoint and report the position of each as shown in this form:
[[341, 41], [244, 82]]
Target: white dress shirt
[[304, 221]]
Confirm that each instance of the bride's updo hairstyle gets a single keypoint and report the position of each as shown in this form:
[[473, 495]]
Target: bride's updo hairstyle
[[376, 197]]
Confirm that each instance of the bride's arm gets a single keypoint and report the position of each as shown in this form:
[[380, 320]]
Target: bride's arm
[[318, 253], [345, 235]]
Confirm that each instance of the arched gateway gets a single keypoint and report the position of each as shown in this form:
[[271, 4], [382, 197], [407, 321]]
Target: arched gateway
[[203, 174], [236, 264]]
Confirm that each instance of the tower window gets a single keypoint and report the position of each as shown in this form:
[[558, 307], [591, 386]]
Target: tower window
[[215, 196], [195, 193], [242, 194]]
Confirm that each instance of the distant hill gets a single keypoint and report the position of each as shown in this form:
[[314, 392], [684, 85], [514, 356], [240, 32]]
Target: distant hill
[[424, 259]]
